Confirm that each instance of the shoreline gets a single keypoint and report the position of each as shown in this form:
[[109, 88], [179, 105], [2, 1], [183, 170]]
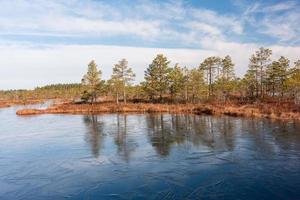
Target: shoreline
[[248, 110], [9, 103]]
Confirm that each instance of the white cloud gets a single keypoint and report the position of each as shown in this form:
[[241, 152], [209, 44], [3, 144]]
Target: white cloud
[[144, 19], [224, 22], [287, 5], [28, 67], [205, 28], [285, 27], [68, 22], [280, 21], [167, 22], [32, 66], [270, 8]]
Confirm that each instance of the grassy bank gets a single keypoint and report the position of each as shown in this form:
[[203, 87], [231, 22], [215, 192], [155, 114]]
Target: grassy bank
[[249, 110], [8, 103], [4, 105]]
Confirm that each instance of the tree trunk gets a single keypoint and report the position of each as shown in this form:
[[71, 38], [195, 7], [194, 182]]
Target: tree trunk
[[273, 92], [282, 88], [160, 96], [117, 98], [210, 81], [124, 93], [261, 81], [186, 94], [193, 96], [93, 97], [257, 84]]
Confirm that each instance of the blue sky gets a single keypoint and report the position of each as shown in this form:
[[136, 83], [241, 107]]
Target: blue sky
[[52, 41]]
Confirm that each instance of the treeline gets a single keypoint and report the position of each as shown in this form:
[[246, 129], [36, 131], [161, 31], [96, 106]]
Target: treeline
[[213, 80], [65, 91]]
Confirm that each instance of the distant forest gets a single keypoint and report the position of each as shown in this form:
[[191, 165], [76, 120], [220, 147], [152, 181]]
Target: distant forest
[[213, 80]]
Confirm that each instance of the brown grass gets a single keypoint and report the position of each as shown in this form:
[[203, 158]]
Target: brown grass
[[70, 108], [249, 110], [6, 103]]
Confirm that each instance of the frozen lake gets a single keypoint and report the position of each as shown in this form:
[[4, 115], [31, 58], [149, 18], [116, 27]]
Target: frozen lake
[[147, 156]]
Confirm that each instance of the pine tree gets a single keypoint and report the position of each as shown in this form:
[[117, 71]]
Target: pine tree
[[115, 87], [92, 79], [157, 77], [271, 73], [177, 79], [283, 73], [227, 70], [196, 84], [277, 74], [293, 82], [250, 83], [123, 74], [226, 76], [211, 67], [253, 73], [258, 63]]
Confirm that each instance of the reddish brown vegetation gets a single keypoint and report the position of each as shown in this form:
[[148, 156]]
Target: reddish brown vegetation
[[250, 110], [4, 104], [70, 108]]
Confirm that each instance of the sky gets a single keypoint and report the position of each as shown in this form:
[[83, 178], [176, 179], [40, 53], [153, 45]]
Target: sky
[[44, 42]]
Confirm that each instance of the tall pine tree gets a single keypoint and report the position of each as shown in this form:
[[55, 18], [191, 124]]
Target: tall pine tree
[[92, 79], [226, 76], [123, 74], [177, 79], [276, 75], [211, 67], [258, 64], [157, 77]]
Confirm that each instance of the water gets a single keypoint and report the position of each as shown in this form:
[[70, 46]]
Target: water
[[148, 156]]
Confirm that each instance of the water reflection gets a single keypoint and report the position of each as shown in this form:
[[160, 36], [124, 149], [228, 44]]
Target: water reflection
[[161, 134], [94, 134], [152, 156], [98, 128], [166, 131], [125, 145], [163, 131], [271, 137]]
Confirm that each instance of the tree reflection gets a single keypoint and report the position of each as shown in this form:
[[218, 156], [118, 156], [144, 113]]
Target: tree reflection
[[125, 145], [94, 134], [115, 129], [166, 130], [269, 138], [160, 134]]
